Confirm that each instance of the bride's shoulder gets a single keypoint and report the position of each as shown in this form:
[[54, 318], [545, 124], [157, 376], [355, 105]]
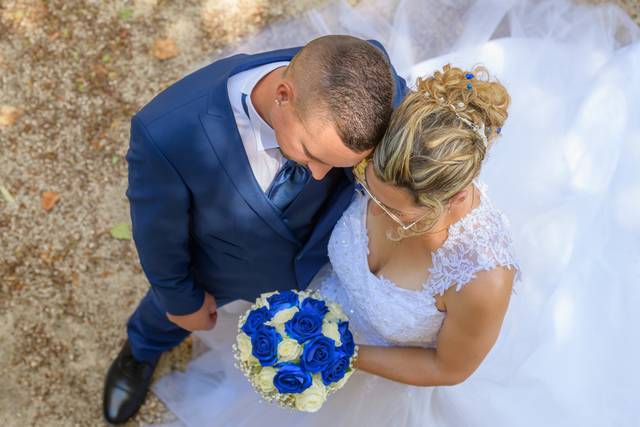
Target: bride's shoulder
[[479, 245], [489, 285]]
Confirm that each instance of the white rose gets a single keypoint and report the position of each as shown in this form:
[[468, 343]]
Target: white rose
[[330, 330], [312, 398], [344, 379], [283, 316], [245, 348], [335, 313], [280, 329], [262, 299], [289, 350], [264, 379]]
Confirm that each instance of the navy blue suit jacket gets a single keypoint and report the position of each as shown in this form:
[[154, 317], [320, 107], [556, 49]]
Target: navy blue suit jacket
[[200, 220]]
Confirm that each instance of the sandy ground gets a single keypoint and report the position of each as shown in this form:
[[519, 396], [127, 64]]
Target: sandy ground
[[71, 75]]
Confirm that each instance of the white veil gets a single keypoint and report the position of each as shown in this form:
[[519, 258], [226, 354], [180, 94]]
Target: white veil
[[566, 174]]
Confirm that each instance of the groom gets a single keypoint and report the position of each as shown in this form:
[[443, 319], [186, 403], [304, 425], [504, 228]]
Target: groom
[[237, 175]]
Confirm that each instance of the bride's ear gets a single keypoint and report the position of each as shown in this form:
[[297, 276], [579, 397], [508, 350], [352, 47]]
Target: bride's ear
[[459, 197]]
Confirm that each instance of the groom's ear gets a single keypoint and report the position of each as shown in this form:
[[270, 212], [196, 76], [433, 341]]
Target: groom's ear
[[349, 80], [284, 93]]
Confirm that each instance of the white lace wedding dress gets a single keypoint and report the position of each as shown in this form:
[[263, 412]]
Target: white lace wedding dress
[[380, 313], [566, 175]]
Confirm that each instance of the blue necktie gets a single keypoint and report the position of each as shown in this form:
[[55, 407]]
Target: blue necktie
[[288, 182]]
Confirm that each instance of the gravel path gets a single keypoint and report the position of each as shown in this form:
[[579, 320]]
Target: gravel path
[[71, 75]]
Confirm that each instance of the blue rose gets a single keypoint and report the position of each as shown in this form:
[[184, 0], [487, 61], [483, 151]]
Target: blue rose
[[336, 369], [265, 342], [317, 354], [304, 325], [282, 300], [348, 346], [290, 378], [255, 319], [315, 306]]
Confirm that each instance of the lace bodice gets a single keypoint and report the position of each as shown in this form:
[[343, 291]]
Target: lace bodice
[[382, 313]]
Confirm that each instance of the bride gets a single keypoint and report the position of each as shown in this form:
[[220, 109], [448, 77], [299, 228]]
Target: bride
[[559, 352], [423, 225]]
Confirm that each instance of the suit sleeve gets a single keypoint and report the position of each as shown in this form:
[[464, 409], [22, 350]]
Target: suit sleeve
[[159, 204]]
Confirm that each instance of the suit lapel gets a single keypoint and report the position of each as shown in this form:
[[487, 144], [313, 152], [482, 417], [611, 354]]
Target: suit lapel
[[220, 126]]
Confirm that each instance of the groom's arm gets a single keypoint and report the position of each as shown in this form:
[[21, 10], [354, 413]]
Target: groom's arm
[[159, 205]]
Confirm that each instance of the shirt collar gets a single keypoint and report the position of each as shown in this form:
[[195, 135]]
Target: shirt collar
[[264, 134]]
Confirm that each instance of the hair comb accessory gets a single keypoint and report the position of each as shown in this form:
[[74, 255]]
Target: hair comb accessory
[[478, 130]]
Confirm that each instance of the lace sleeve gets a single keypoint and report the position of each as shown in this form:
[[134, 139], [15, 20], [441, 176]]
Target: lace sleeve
[[477, 243]]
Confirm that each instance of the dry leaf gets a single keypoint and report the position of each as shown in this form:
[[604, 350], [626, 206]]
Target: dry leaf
[[121, 231], [9, 115], [100, 71], [164, 48], [46, 257], [49, 199], [7, 196]]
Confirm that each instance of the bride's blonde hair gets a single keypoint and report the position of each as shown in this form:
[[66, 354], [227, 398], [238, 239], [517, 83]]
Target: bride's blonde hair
[[428, 149]]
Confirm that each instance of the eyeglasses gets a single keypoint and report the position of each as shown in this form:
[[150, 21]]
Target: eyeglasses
[[361, 177]]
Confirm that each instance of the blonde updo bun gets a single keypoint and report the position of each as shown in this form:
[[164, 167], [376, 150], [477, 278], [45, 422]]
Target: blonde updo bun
[[427, 149]]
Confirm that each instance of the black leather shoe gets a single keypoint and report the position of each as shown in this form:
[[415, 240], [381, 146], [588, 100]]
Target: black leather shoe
[[125, 386]]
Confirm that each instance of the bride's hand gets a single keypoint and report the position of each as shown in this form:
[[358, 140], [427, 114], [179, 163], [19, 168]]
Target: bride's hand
[[201, 320]]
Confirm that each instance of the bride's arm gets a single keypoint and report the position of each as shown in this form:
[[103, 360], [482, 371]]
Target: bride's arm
[[471, 327]]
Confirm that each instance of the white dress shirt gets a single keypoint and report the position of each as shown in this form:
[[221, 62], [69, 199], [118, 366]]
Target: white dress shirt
[[258, 138]]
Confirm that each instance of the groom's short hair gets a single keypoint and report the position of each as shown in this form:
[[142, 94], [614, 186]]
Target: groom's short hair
[[349, 82]]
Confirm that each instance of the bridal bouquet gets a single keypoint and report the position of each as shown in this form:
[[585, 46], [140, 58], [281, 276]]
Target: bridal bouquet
[[295, 348]]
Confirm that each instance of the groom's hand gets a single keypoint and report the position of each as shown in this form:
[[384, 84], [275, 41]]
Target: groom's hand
[[201, 320]]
